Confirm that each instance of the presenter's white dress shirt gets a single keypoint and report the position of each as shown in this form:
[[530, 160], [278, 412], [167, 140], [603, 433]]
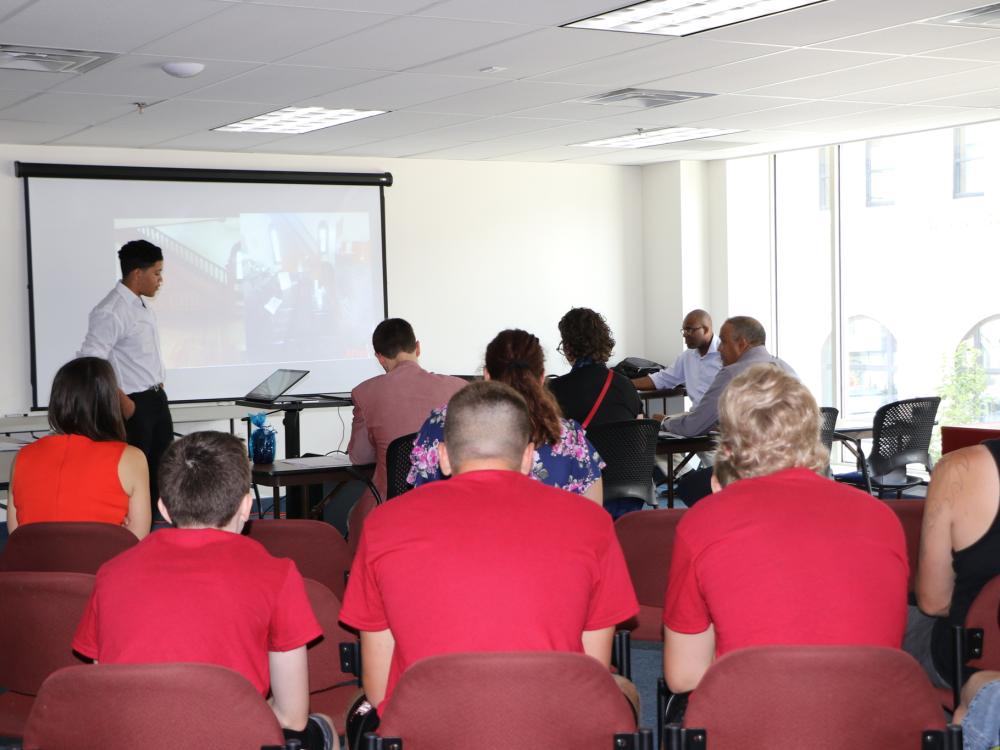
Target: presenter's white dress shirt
[[123, 331], [693, 370]]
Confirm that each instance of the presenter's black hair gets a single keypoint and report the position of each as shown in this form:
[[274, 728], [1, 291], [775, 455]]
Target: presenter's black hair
[[138, 254], [84, 400], [393, 336]]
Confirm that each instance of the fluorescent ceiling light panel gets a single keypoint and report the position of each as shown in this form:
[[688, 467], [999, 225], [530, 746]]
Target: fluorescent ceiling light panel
[[657, 137], [298, 120], [683, 17]]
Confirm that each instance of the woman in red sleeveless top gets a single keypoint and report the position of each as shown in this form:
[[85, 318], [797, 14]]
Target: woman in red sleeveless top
[[85, 471]]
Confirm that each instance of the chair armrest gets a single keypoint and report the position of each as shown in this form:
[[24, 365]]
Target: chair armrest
[[621, 653], [350, 658]]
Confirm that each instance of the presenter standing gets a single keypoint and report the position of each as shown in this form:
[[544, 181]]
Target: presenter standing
[[122, 330]]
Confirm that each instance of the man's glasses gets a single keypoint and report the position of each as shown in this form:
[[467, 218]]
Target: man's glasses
[[691, 329]]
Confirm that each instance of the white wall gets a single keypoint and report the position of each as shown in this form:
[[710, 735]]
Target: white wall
[[472, 247]]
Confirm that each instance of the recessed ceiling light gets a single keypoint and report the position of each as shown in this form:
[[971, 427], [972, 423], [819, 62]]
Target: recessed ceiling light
[[297, 120], [683, 17], [658, 137]]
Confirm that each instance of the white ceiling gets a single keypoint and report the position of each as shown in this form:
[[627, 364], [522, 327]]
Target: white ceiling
[[831, 72]]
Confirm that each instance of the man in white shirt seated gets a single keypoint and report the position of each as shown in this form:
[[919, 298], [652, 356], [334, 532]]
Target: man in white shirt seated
[[696, 367]]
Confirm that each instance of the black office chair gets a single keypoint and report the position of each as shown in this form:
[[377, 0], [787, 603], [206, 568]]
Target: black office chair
[[397, 465], [629, 450], [828, 425], [901, 435]]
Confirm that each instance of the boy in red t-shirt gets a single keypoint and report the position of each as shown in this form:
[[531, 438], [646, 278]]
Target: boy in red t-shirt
[[202, 592]]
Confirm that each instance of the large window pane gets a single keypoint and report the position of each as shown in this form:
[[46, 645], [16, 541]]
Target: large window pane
[[919, 271], [804, 267]]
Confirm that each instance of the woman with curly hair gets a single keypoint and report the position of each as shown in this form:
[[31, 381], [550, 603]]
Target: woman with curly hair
[[564, 457], [590, 388]]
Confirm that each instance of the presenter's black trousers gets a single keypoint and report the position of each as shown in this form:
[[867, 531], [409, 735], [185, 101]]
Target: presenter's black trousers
[[151, 430]]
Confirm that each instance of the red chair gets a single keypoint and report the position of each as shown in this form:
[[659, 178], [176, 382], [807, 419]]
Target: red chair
[[978, 641], [647, 539], [41, 612], [150, 706], [911, 515], [500, 701], [318, 549], [331, 692], [816, 697], [71, 546]]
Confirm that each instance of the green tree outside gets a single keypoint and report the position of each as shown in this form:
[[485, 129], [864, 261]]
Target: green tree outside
[[964, 399]]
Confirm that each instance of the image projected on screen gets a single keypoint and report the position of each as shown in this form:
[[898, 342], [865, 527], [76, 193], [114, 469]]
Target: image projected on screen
[[257, 276], [276, 287]]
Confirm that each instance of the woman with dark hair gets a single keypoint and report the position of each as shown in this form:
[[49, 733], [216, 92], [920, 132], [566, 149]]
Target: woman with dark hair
[[563, 456], [85, 471], [590, 393]]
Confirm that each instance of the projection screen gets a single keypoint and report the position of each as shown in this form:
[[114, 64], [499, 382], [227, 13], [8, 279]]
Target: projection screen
[[261, 270]]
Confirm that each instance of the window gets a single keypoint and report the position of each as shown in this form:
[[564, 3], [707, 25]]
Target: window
[[975, 403], [880, 172], [871, 363], [969, 171], [825, 183]]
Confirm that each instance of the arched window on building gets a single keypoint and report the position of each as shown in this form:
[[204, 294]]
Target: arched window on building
[[984, 338], [871, 367]]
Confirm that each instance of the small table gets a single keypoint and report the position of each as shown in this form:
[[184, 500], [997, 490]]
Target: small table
[[299, 472], [668, 445], [661, 393]]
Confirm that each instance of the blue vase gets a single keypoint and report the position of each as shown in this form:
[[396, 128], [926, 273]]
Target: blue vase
[[262, 444]]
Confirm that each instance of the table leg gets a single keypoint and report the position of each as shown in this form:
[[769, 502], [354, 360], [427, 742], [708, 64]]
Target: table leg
[[295, 497], [670, 480], [277, 502]]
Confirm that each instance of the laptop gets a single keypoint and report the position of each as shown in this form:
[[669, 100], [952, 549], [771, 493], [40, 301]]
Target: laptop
[[275, 385]]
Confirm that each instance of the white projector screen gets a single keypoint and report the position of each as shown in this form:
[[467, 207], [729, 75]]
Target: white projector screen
[[257, 275]]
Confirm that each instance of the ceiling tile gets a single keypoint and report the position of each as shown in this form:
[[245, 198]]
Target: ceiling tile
[[539, 52], [789, 116], [405, 42], [102, 25], [760, 71], [706, 109], [876, 118], [577, 111], [563, 153], [508, 97], [30, 80], [213, 140], [390, 7], [317, 142], [910, 39], [472, 151], [989, 98], [261, 33], [934, 88], [667, 57], [887, 73], [988, 50], [70, 108], [140, 76], [398, 91], [12, 97], [550, 13], [394, 124], [497, 127], [20, 131], [284, 84]]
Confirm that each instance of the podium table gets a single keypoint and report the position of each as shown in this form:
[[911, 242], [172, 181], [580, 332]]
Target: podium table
[[301, 472]]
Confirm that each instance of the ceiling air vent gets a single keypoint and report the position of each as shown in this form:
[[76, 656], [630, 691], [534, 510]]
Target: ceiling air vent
[[49, 60], [987, 16], [641, 98]]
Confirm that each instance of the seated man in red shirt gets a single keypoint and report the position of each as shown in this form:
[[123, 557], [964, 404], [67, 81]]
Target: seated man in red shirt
[[779, 554], [490, 560], [202, 592]]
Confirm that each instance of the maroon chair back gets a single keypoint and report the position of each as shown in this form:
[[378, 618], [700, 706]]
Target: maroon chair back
[[911, 515], [984, 614], [816, 697], [331, 692], [499, 701], [150, 706], [73, 546], [647, 539], [40, 615], [318, 549]]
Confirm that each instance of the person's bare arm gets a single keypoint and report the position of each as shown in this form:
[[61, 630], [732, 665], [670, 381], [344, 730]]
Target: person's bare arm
[[686, 658], [133, 473], [290, 687], [595, 492], [376, 656], [127, 405], [935, 574], [645, 383], [597, 643], [11, 510]]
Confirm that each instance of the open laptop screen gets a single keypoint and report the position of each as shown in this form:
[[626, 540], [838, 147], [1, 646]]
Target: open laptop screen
[[276, 384]]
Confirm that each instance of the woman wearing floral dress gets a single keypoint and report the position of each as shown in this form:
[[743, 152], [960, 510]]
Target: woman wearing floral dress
[[563, 456]]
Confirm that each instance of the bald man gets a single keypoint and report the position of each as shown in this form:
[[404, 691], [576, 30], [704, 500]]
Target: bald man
[[491, 560], [696, 367]]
